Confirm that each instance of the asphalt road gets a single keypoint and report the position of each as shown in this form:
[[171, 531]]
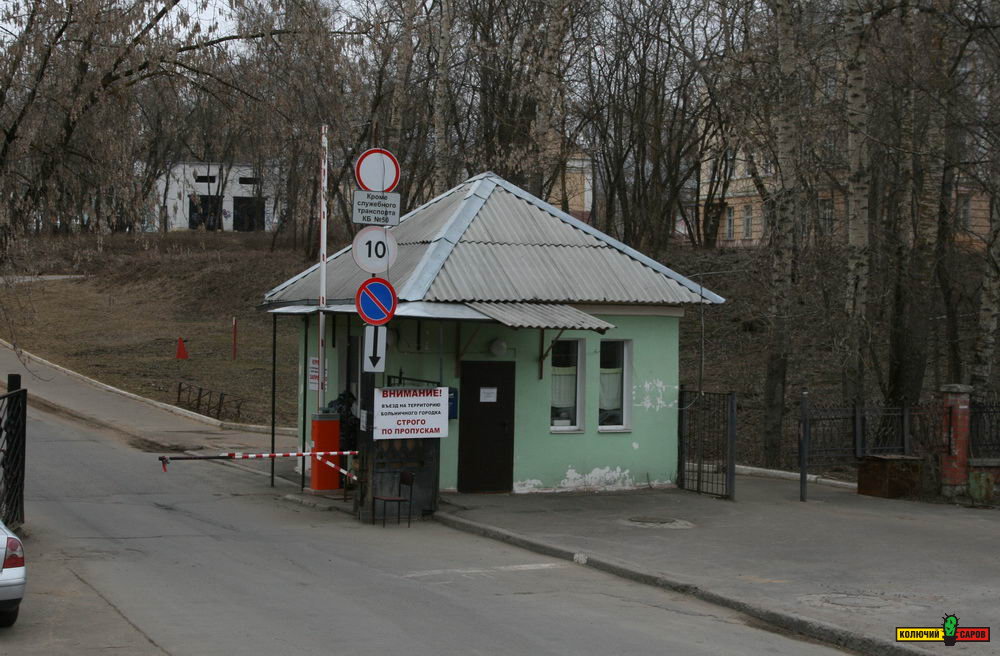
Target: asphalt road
[[206, 559]]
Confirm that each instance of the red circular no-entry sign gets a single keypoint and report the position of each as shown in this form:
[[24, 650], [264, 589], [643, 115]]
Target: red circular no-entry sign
[[377, 170]]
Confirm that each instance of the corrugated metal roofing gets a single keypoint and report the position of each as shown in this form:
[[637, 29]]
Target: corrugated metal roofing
[[430, 219], [541, 315], [506, 219], [553, 274], [487, 240], [414, 310]]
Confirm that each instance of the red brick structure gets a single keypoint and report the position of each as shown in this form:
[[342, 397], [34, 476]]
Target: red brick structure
[[955, 436]]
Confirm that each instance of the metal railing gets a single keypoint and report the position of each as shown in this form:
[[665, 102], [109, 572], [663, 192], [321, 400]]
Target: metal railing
[[831, 436], [209, 402], [984, 430], [13, 426]]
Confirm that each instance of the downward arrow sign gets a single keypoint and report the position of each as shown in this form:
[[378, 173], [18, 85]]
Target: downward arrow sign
[[374, 357], [375, 337]]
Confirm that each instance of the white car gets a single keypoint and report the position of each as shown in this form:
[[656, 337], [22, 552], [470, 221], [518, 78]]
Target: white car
[[13, 575]]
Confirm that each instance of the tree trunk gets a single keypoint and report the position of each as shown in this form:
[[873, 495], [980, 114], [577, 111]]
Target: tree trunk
[[859, 186], [984, 351], [786, 206], [910, 327], [441, 154]]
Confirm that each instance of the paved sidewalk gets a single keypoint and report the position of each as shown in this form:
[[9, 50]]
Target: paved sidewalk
[[842, 567], [145, 424]]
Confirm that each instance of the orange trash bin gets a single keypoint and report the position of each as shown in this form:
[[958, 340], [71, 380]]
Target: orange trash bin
[[325, 437]]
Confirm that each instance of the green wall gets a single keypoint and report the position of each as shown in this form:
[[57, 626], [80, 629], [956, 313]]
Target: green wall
[[543, 460]]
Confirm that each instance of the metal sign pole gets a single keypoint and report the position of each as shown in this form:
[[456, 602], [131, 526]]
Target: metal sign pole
[[322, 270]]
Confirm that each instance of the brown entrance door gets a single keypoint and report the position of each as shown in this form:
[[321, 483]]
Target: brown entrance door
[[486, 427]]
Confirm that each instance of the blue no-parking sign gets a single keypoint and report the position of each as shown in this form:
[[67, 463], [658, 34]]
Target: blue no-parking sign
[[375, 301]]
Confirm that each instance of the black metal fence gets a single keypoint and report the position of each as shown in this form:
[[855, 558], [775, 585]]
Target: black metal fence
[[209, 402], [13, 425], [833, 439], [984, 430], [706, 461]]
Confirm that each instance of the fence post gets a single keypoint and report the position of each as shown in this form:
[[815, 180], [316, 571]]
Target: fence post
[[13, 382], [859, 433], [907, 446], [699, 445], [731, 449], [682, 420], [804, 435]]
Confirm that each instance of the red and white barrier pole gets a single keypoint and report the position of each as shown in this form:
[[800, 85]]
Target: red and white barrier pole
[[342, 470], [166, 460]]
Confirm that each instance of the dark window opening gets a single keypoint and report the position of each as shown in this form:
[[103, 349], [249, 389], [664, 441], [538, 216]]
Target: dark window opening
[[248, 213], [205, 211], [612, 394], [249, 181], [204, 178], [565, 407]]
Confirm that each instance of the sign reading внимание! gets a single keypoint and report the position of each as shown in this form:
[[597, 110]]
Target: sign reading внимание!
[[410, 412]]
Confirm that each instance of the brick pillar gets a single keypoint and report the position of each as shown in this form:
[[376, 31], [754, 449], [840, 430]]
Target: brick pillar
[[955, 439]]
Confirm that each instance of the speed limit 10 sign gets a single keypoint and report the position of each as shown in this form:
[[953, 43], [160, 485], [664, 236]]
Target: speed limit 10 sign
[[374, 249]]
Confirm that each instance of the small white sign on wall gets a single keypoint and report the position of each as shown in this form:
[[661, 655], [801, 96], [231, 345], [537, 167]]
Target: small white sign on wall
[[314, 374], [487, 395]]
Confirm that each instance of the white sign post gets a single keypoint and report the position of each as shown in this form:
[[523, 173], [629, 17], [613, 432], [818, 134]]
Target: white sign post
[[373, 355], [410, 412], [378, 208], [374, 249]]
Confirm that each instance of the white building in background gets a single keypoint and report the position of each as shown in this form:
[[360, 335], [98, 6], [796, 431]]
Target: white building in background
[[215, 196]]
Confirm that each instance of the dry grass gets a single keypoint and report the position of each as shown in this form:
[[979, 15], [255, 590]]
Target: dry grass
[[121, 323]]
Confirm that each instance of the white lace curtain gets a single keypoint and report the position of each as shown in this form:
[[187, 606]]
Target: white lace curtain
[[611, 389], [563, 387]]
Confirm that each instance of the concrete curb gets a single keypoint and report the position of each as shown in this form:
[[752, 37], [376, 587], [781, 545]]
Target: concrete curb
[[746, 470], [247, 428], [822, 631]]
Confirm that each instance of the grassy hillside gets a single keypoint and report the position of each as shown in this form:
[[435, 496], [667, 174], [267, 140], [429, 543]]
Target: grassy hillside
[[121, 322]]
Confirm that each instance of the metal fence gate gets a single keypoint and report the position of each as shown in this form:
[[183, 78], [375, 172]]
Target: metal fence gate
[[13, 421], [706, 459], [984, 430]]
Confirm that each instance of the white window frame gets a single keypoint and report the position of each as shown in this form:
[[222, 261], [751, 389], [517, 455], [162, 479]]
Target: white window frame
[[748, 221], [730, 223], [626, 425], [581, 380]]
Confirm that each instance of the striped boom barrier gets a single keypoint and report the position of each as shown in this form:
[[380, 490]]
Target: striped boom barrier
[[342, 470], [166, 460]]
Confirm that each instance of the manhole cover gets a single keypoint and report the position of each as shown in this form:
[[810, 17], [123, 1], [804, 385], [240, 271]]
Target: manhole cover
[[644, 521], [858, 602]]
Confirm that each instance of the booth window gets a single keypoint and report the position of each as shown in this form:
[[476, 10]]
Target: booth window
[[567, 376], [614, 397]]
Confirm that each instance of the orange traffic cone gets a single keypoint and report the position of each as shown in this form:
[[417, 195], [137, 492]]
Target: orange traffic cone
[[182, 353]]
